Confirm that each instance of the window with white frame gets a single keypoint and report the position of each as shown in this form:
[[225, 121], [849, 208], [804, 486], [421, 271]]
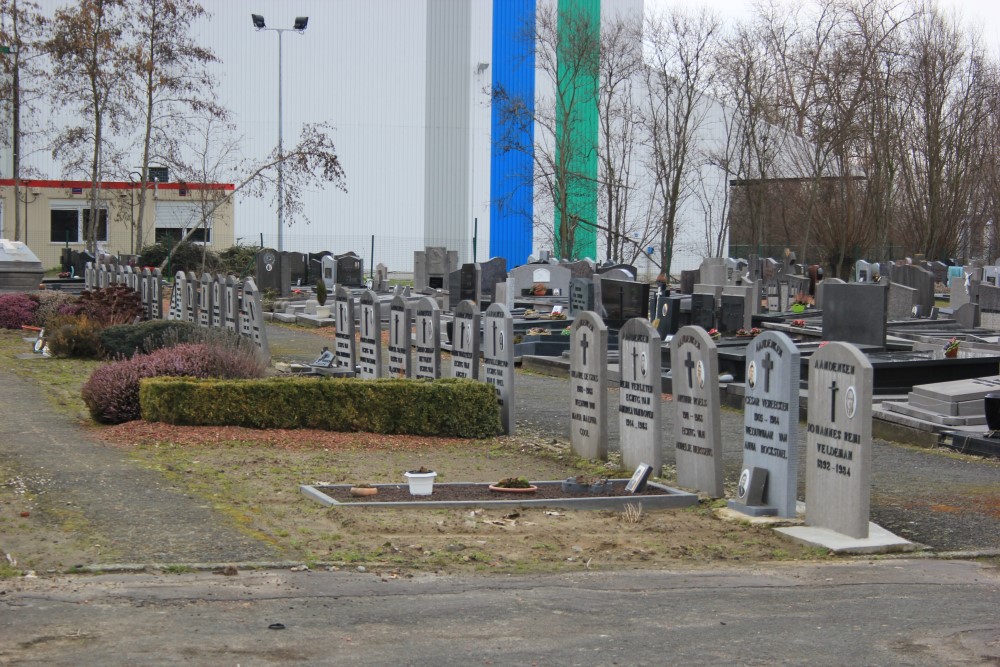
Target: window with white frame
[[175, 218], [69, 222]]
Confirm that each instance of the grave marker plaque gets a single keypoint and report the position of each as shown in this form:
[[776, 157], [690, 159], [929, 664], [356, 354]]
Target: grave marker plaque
[[694, 361], [400, 324], [581, 295], [771, 421], [639, 398], [428, 347], [703, 311], [839, 440], [498, 360], [345, 349], [465, 341], [232, 303], [191, 296], [491, 272], [178, 298], [204, 309], [370, 339], [588, 374], [252, 317], [350, 270], [145, 293]]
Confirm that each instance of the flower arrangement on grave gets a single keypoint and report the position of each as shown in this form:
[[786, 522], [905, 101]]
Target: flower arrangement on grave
[[567, 331], [801, 302], [714, 334], [951, 347], [538, 289], [799, 323], [557, 316], [514, 485], [755, 332], [742, 333]]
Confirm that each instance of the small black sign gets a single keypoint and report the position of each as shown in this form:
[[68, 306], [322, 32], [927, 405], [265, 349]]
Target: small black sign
[[639, 478]]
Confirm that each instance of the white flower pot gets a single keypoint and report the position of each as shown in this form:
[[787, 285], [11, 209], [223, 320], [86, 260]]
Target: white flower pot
[[421, 483]]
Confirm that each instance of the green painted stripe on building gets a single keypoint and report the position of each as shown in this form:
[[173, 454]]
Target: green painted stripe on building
[[576, 120]]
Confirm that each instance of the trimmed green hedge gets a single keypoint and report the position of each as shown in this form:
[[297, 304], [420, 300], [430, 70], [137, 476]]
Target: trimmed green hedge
[[447, 407]]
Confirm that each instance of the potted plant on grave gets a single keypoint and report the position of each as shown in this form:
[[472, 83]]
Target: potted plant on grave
[[585, 484], [801, 324], [755, 332], [513, 485], [951, 348], [421, 481], [714, 334], [362, 490], [801, 302], [742, 333]]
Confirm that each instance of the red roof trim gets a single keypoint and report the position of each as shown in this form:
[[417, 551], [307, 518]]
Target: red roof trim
[[114, 185]]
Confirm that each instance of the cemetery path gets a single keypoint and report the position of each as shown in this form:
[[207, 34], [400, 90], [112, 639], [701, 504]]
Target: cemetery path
[[934, 497], [111, 509]]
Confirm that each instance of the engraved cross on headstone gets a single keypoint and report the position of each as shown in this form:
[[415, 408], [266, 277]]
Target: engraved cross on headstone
[[635, 355], [833, 401], [767, 365], [584, 345], [689, 365]]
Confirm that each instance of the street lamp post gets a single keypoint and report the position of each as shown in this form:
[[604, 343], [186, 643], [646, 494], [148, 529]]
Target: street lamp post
[[300, 27]]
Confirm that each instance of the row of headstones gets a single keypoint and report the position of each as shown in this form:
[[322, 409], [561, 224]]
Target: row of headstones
[[213, 301], [278, 271], [838, 446], [422, 359], [147, 282]]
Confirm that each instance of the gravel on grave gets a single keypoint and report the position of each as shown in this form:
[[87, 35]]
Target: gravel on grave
[[401, 493]]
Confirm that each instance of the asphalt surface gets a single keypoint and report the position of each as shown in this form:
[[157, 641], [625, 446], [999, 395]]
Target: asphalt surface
[[863, 613]]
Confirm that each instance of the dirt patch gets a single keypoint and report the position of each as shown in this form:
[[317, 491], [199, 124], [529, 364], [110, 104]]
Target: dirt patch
[[481, 492]]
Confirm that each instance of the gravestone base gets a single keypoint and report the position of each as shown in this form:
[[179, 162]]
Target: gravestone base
[[313, 320], [752, 510], [879, 540]]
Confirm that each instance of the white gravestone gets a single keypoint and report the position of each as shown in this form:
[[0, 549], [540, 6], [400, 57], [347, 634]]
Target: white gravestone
[[839, 440], [771, 422], [400, 323], [588, 374], [252, 317], [465, 341], [639, 408], [427, 319], [345, 350], [370, 339], [232, 303], [498, 360], [694, 363]]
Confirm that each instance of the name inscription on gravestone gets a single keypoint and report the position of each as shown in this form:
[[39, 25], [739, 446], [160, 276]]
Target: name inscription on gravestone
[[639, 397], [498, 359], [428, 347], [344, 347], [465, 341], [588, 386]]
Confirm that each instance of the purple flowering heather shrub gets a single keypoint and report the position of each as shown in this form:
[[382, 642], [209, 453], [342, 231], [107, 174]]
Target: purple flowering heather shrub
[[17, 310]]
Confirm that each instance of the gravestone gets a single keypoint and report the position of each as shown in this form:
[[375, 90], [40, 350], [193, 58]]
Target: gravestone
[[855, 313], [491, 273], [219, 301], [400, 324], [297, 264], [370, 339], [272, 272], [839, 440], [204, 309], [178, 298], [344, 348], [703, 311], [498, 360], [581, 295], [145, 294], [381, 283], [588, 372], [191, 288], [771, 422], [465, 341], [252, 317], [694, 363], [939, 270], [955, 275], [737, 309], [583, 268], [623, 300], [967, 316], [465, 285], [427, 319], [920, 279], [989, 306], [328, 271], [671, 314], [862, 271], [716, 271], [639, 395], [688, 280], [156, 294], [232, 304], [431, 267], [554, 278], [821, 286], [901, 302], [350, 270]]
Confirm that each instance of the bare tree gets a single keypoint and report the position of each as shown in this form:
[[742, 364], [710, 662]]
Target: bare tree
[[313, 162], [90, 62], [22, 31], [680, 48], [172, 81]]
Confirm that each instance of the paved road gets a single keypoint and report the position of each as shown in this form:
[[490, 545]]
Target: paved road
[[867, 613]]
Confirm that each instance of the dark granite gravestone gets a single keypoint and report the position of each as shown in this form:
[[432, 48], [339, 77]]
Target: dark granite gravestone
[[900, 302], [588, 386], [688, 280], [580, 269], [671, 314], [464, 285], [732, 317], [703, 311], [427, 318], [771, 422], [694, 363], [314, 266], [920, 279], [623, 300], [400, 324], [273, 273], [855, 313], [298, 267], [491, 272], [581, 295], [839, 440], [465, 341], [350, 271], [345, 349], [639, 395], [498, 360], [370, 336]]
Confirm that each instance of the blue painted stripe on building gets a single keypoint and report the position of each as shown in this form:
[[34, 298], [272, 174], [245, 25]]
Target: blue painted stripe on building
[[511, 190]]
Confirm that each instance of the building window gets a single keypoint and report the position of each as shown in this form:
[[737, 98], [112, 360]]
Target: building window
[[174, 219], [71, 224]]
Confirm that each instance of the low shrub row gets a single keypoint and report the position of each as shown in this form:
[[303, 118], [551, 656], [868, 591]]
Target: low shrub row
[[447, 407], [112, 391]]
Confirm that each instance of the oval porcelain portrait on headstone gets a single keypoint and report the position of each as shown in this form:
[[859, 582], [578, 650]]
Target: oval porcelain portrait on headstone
[[741, 490], [850, 401], [752, 374], [700, 372]]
